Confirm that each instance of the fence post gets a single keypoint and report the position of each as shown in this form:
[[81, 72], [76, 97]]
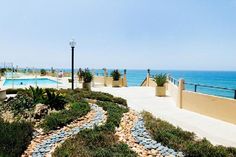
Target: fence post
[[235, 94], [195, 88], [93, 80], [105, 77], [148, 77], [125, 79], [180, 93]]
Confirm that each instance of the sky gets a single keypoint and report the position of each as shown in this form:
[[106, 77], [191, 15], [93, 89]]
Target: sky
[[131, 34]]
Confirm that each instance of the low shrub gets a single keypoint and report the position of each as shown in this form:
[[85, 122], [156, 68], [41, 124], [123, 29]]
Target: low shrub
[[43, 72], [100, 96], [184, 141], [15, 137], [99, 142], [120, 101], [37, 94], [20, 103], [63, 117], [54, 100], [115, 114], [93, 143], [14, 91]]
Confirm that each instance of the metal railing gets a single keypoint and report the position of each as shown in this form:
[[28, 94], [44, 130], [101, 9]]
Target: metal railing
[[173, 80], [212, 87], [196, 87]]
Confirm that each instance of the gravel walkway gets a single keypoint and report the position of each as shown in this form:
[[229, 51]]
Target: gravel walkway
[[44, 144], [133, 132]]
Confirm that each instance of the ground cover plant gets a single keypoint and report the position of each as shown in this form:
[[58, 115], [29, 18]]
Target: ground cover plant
[[99, 142], [65, 106], [184, 141], [64, 117], [101, 96], [15, 138]]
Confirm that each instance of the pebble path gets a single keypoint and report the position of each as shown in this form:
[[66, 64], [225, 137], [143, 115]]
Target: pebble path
[[43, 145], [133, 132]]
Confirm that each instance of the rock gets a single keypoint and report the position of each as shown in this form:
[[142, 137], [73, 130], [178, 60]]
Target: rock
[[40, 111]]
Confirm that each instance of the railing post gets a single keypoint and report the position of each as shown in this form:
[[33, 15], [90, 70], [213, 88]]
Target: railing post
[[148, 77], [195, 88], [180, 93], [235, 94], [125, 79], [105, 77]]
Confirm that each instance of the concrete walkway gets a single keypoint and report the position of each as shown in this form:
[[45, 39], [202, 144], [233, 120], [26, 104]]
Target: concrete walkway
[[143, 98]]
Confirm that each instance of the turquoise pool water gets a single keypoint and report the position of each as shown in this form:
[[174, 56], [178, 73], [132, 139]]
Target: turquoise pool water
[[27, 82]]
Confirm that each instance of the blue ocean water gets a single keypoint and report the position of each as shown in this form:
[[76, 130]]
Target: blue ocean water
[[224, 79]]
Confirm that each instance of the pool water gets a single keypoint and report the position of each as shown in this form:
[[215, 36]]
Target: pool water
[[26, 82]]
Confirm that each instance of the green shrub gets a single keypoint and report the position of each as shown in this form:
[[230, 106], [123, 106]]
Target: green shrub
[[87, 76], [183, 141], [115, 114], [120, 101], [20, 103], [2, 71], [93, 143], [54, 100], [14, 138], [43, 72], [100, 96], [115, 75], [160, 79], [14, 91], [99, 142], [62, 118], [37, 94]]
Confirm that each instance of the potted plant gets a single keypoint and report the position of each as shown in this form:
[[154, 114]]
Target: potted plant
[[87, 77], [2, 72], [116, 78], [80, 74], [160, 80], [43, 72]]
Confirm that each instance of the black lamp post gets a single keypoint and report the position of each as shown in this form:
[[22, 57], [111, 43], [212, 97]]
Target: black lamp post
[[72, 44]]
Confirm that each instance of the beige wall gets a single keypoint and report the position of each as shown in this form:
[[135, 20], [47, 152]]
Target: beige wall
[[152, 83], [100, 80], [213, 106], [2, 94], [172, 91]]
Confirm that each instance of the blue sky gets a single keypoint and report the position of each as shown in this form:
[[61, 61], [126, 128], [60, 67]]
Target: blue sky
[[132, 34]]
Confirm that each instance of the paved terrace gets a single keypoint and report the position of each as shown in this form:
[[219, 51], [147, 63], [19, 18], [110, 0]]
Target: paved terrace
[[143, 98]]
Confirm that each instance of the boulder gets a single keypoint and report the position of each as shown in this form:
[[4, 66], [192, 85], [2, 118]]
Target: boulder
[[40, 111]]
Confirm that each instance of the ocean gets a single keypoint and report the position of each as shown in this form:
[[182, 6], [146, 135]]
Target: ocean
[[225, 79]]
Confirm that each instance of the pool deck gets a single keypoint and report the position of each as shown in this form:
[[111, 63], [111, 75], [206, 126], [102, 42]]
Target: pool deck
[[143, 98]]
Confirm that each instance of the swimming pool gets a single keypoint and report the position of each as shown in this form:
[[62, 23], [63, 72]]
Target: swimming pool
[[30, 81]]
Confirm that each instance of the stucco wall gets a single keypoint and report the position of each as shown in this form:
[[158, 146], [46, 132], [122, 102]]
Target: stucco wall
[[213, 106], [152, 83], [2, 94], [172, 91], [98, 79]]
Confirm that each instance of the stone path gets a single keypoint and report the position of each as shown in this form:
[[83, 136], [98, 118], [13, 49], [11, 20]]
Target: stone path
[[132, 131], [44, 144]]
